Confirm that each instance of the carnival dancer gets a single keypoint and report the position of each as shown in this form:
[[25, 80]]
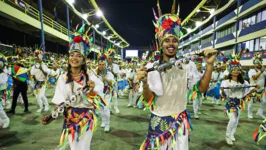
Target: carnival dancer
[[131, 74], [234, 90], [7, 70], [3, 80], [260, 132], [214, 89], [114, 69], [122, 79], [257, 77], [193, 96], [76, 96], [166, 92], [108, 79], [40, 72]]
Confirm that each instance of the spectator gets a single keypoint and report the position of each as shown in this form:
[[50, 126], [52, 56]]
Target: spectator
[[261, 48]]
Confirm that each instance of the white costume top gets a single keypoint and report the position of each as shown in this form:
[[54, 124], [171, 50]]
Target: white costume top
[[3, 81], [38, 73], [238, 92], [63, 91], [115, 68], [226, 73], [260, 81], [217, 76], [7, 70], [130, 74], [172, 88]]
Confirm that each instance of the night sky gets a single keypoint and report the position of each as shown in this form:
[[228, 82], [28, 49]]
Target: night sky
[[132, 19]]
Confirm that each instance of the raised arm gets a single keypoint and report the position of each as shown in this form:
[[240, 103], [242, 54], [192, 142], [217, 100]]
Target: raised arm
[[210, 55]]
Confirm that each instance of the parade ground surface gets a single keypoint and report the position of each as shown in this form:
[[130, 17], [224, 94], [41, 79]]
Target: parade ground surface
[[128, 130]]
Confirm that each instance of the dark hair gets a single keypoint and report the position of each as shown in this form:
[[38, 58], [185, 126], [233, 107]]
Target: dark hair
[[239, 78]]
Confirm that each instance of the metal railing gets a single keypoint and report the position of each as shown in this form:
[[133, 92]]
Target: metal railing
[[34, 13]]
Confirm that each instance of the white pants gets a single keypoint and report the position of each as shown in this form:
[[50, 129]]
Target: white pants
[[20, 99], [232, 125], [115, 100], [250, 105], [84, 142], [196, 105], [105, 112], [180, 144], [41, 98], [262, 105], [3, 116], [31, 85], [132, 97], [215, 100]]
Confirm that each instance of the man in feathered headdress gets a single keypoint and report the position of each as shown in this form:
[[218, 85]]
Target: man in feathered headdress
[[166, 92], [257, 77], [108, 80]]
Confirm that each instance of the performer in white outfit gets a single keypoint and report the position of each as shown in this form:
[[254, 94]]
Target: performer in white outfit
[[166, 92], [108, 80], [257, 76], [39, 72], [76, 97], [234, 89], [130, 76], [4, 120], [197, 97], [114, 69], [217, 77]]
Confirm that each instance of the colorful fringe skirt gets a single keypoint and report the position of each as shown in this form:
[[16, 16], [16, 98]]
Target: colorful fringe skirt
[[260, 132], [233, 105], [78, 121], [255, 96], [166, 128]]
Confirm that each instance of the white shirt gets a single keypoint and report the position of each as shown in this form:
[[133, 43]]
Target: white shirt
[[38, 73], [235, 93], [260, 81], [217, 76], [3, 81], [109, 76], [63, 91], [171, 88], [7, 71], [99, 85], [130, 74], [225, 73]]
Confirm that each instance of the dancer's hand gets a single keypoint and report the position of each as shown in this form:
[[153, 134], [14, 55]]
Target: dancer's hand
[[262, 69], [91, 85], [210, 55], [257, 87], [44, 120], [142, 74]]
